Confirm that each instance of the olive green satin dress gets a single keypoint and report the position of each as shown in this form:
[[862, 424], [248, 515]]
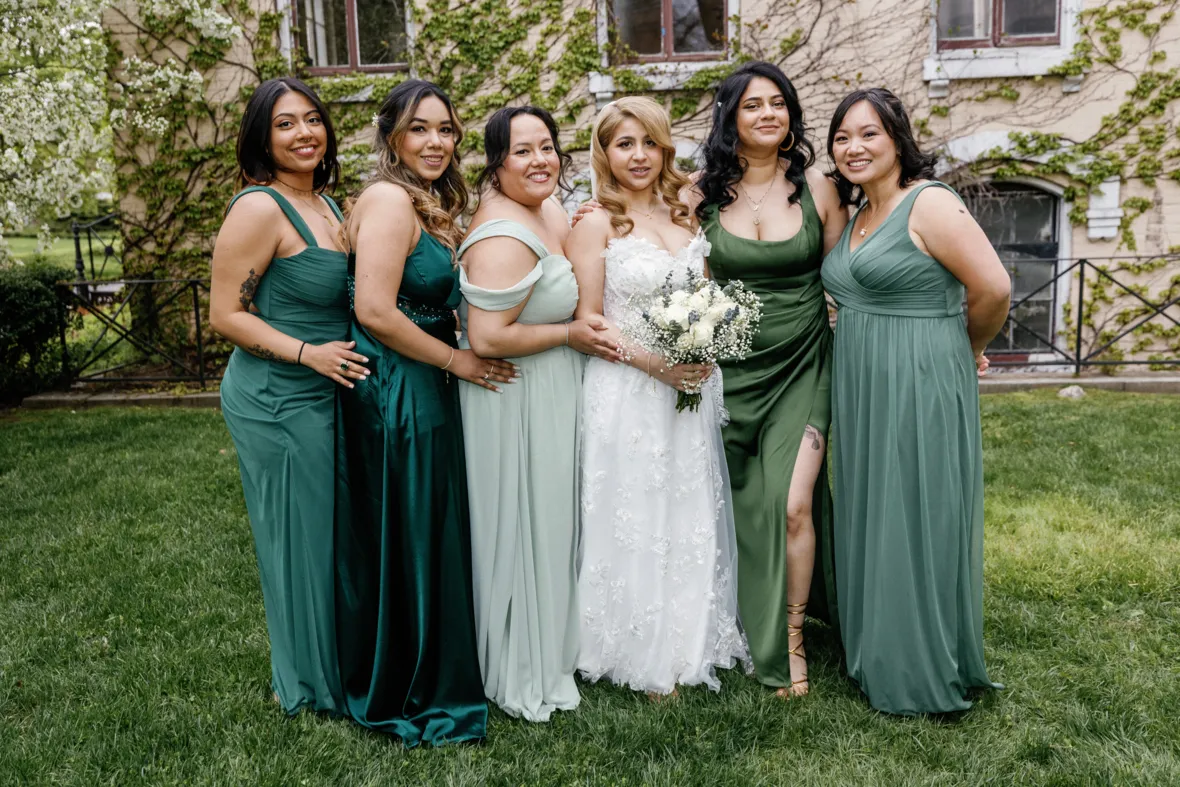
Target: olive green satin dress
[[407, 632], [780, 388], [283, 420], [907, 472]]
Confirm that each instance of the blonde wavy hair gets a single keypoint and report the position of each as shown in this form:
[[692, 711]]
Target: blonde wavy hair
[[656, 125], [438, 204]]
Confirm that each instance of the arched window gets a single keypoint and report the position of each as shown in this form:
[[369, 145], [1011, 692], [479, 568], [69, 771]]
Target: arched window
[[1023, 224]]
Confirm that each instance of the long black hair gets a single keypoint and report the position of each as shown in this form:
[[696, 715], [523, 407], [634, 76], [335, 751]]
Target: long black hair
[[255, 163], [723, 165], [497, 142], [915, 165]]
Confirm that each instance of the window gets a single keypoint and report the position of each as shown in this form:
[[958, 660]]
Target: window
[[977, 24], [1022, 223], [351, 35], [647, 31]]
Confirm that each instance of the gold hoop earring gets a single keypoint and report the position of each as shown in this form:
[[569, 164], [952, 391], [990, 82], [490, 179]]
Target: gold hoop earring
[[788, 148], [495, 182]]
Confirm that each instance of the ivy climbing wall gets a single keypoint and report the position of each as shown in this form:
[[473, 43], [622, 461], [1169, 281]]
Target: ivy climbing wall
[[1098, 125]]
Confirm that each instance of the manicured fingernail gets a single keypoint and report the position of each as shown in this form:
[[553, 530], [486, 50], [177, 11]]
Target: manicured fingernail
[[366, 360]]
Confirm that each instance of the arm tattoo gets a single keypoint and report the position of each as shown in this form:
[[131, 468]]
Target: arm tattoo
[[811, 432], [265, 354], [249, 287]]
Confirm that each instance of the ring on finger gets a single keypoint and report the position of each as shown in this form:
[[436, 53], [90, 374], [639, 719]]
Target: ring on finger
[[344, 366]]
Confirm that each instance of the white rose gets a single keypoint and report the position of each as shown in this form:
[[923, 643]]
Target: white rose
[[698, 301], [702, 335], [677, 314], [684, 341], [716, 312], [679, 297]]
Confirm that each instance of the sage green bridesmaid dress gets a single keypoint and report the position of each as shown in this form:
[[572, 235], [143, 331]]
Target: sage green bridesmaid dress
[[406, 632], [780, 388], [283, 420], [907, 472], [522, 479]]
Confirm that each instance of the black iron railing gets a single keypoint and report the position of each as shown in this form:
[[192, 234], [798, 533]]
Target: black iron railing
[[1121, 280], [156, 330], [103, 233], [149, 330]]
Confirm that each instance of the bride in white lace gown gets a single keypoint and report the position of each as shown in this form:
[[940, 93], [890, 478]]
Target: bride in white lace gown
[[656, 577]]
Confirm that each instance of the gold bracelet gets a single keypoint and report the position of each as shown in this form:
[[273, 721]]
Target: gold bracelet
[[648, 364], [567, 334], [448, 363]]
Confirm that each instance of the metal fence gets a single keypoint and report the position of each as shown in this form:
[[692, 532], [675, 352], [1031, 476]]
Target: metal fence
[[156, 330], [1083, 337]]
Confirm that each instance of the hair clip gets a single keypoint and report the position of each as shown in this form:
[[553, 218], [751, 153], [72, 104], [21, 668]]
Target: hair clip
[[376, 121]]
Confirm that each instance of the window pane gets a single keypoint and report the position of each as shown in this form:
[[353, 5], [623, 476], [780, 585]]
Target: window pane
[[1014, 214], [381, 28], [325, 34], [1030, 17], [698, 25], [637, 26], [964, 19]]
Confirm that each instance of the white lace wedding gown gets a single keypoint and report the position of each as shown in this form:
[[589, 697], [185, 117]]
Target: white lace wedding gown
[[657, 579]]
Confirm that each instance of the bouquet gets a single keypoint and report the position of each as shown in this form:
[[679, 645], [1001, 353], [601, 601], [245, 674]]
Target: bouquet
[[699, 322]]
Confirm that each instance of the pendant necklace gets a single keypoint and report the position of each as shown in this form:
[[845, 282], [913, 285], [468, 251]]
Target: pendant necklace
[[756, 205]]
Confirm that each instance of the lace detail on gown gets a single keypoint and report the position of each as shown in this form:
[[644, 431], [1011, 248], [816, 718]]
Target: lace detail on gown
[[657, 582]]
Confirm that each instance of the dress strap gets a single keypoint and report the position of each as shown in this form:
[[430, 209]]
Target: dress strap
[[288, 211], [505, 228], [335, 208]]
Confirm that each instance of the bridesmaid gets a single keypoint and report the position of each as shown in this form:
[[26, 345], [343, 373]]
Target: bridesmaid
[[769, 216], [407, 637], [279, 294], [907, 456], [522, 471]]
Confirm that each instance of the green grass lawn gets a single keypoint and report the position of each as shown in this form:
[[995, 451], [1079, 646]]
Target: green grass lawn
[[133, 647], [62, 254]]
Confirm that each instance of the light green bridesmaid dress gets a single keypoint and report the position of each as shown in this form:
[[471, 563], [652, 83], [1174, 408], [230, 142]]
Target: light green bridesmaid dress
[[907, 464], [522, 485]]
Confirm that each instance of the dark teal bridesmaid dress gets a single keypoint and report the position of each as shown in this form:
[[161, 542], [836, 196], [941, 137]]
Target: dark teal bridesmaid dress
[[283, 420], [406, 614]]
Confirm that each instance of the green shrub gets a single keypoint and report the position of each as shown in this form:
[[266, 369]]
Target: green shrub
[[30, 329]]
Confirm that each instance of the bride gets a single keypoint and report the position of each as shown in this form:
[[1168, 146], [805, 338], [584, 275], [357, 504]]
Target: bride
[[656, 578]]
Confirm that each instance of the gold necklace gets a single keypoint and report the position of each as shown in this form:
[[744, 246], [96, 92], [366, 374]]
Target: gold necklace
[[868, 221], [647, 216], [314, 203], [756, 205]]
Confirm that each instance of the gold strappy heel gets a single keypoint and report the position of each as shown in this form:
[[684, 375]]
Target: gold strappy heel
[[787, 692]]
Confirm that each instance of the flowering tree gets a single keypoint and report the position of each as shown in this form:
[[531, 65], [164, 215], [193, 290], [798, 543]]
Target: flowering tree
[[54, 137]]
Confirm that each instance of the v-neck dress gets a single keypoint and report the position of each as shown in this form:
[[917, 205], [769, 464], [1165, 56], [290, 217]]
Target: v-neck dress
[[907, 472], [283, 420], [522, 480], [772, 395]]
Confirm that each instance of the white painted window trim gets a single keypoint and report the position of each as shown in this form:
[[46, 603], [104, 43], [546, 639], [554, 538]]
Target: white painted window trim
[[663, 76], [940, 68]]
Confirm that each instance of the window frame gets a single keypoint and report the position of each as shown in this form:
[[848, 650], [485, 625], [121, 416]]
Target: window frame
[[997, 39], [354, 47], [666, 42]]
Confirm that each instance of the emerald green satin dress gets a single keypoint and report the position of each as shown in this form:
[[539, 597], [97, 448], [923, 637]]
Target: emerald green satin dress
[[781, 387], [283, 420], [907, 464], [406, 616]]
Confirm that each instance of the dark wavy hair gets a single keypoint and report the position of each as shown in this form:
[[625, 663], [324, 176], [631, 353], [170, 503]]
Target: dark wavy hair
[[723, 164], [497, 142], [915, 165], [256, 166]]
